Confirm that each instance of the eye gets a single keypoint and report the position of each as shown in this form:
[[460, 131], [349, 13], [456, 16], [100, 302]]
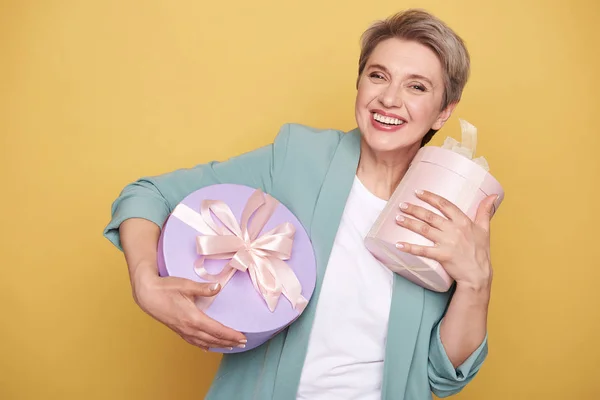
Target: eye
[[376, 75], [419, 87]]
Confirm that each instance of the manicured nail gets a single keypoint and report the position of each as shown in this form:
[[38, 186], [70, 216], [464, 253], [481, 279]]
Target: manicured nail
[[243, 341], [419, 192], [230, 348], [399, 245], [242, 346], [214, 286], [400, 218], [403, 206]]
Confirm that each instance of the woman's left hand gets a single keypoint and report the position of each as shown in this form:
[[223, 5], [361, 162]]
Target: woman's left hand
[[461, 246]]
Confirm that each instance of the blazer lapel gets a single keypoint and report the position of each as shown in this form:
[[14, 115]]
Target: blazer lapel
[[323, 229], [333, 196], [403, 328]]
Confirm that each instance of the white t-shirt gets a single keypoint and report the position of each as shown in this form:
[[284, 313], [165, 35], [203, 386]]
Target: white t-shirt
[[347, 343]]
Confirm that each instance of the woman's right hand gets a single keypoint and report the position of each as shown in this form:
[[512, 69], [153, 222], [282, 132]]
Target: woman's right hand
[[170, 300]]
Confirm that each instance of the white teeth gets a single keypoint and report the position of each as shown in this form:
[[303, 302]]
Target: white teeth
[[387, 120]]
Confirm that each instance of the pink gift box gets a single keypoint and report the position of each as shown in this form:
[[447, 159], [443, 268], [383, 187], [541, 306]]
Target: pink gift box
[[260, 249], [447, 174]]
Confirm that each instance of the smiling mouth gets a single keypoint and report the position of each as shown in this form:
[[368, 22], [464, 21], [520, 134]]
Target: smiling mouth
[[387, 120]]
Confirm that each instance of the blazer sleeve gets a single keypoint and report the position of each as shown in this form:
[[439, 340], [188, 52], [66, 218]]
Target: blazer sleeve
[[444, 379], [154, 198]]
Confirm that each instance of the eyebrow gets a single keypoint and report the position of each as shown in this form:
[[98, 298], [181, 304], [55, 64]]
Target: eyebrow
[[411, 76]]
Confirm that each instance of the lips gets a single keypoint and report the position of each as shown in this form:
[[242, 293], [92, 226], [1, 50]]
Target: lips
[[387, 122], [387, 114]]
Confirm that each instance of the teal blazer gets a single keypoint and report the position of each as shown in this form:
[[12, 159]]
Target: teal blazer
[[311, 172]]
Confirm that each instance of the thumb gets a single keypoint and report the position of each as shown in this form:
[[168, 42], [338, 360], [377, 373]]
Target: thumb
[[208, 289], [484, 212]]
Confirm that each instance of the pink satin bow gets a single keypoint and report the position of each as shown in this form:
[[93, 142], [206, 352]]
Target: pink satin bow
[[262, 256]]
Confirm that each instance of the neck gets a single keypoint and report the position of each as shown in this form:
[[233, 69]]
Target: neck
[[381, 172]]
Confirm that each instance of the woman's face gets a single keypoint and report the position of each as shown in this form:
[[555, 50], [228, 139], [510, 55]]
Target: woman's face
[[399, 96]]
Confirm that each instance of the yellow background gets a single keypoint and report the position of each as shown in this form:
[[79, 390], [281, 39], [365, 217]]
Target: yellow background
[[94, 94]]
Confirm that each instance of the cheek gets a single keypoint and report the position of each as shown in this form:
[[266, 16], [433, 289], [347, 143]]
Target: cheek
[[365, 95], [422, 109]]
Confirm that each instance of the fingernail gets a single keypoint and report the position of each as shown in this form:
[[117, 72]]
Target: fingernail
[[400, 218], [243, 341], [399, 245], [419, 192], [230, 348], [242, 346], [214, 286], [403, 206]]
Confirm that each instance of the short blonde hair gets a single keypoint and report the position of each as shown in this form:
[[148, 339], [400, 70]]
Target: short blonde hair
[[424, 28]]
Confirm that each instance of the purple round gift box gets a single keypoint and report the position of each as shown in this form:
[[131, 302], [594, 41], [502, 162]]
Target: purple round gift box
[[238, 305]]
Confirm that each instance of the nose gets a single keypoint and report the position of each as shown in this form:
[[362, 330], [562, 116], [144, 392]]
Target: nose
[[391, 96]]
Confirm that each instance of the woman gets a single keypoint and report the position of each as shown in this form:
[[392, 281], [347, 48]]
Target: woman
[[367, 333]]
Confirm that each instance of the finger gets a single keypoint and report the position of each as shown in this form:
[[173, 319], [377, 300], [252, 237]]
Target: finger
[[427, 216], [221, 332], [192, 288], [214, 342], [432, 252], [195, 326], [450, 210], [203, 323], [420, 227], [485, 211], [196, 342]]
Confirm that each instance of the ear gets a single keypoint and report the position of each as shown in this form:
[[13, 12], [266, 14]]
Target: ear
[[444, 116]]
